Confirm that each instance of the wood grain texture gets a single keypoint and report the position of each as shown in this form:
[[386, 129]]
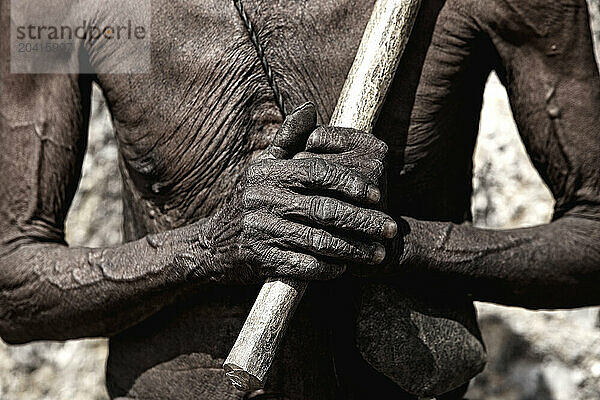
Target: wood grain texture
[[254, 349], [362, 96], [377, 58]]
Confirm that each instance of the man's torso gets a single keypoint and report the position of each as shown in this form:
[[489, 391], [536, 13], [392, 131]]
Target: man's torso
[[186, 131]]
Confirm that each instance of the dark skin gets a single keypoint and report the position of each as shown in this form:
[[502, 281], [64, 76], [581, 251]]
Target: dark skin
[[206, 219]]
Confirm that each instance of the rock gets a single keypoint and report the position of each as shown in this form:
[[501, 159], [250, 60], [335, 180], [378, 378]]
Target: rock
[[507, 190], [538, 355], [95, 217]]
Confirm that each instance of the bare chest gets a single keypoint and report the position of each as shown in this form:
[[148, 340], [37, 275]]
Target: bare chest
[[187, 129]]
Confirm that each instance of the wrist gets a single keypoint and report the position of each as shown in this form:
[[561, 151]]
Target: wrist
[[212, 252], [400, 257], [406, 249]]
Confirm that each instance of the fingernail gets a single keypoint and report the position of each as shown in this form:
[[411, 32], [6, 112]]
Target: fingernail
[[373, 194], [306, 108], [390, 229], [303, 106], [379, 253], [313, 140]]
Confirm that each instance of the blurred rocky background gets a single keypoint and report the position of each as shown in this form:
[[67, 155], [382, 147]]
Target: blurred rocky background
[[532, 355], [74, 370]]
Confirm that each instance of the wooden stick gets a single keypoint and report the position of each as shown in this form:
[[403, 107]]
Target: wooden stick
[[358, 106]]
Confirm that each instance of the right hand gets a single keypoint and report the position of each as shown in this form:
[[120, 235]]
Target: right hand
[[299, 218]]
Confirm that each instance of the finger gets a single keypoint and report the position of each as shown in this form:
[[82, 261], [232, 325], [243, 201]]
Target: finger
[[295, 129], [328, 139], [294, 236], [370, 167], [290, 264], [314, 174], [325, 212]]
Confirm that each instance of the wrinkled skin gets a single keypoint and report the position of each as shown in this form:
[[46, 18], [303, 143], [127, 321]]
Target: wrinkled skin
[[204, 211], [273, 214]]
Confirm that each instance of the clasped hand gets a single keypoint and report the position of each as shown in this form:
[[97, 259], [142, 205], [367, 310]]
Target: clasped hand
[[305, 207]]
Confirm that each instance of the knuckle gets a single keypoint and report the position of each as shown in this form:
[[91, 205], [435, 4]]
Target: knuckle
[[270, 255], [318, 171], [347, 248], [251, 170], [309, 267], [373, 223], [251, 198], [357, 186], [300, 266], [341, 247], [358, 136], [353, 250], [316, 240], [367, 253], [346, 214], [353, 183], [378, 224], [246, 222], [329, 271], [303, 235], [337, 270], [363, 138], [375, 145], [247, 175], [357, 219], [255, 172], [318, 209], [250, 222]]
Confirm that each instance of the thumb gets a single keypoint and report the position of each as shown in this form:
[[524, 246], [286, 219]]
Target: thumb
[[294, 132]]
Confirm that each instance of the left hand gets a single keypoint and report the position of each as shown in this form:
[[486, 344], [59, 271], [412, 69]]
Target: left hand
[[360, 152]]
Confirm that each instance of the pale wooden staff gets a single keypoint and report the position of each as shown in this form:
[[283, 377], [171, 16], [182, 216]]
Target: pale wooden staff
[[359, 103]]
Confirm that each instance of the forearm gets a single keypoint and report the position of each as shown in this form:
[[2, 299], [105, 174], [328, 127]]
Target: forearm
[[549, 266], [51, 291]]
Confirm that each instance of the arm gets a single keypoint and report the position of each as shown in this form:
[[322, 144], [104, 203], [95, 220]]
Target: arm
[[51, 291], [544, 56], [549, 266], [281, 221], [48, 290]]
